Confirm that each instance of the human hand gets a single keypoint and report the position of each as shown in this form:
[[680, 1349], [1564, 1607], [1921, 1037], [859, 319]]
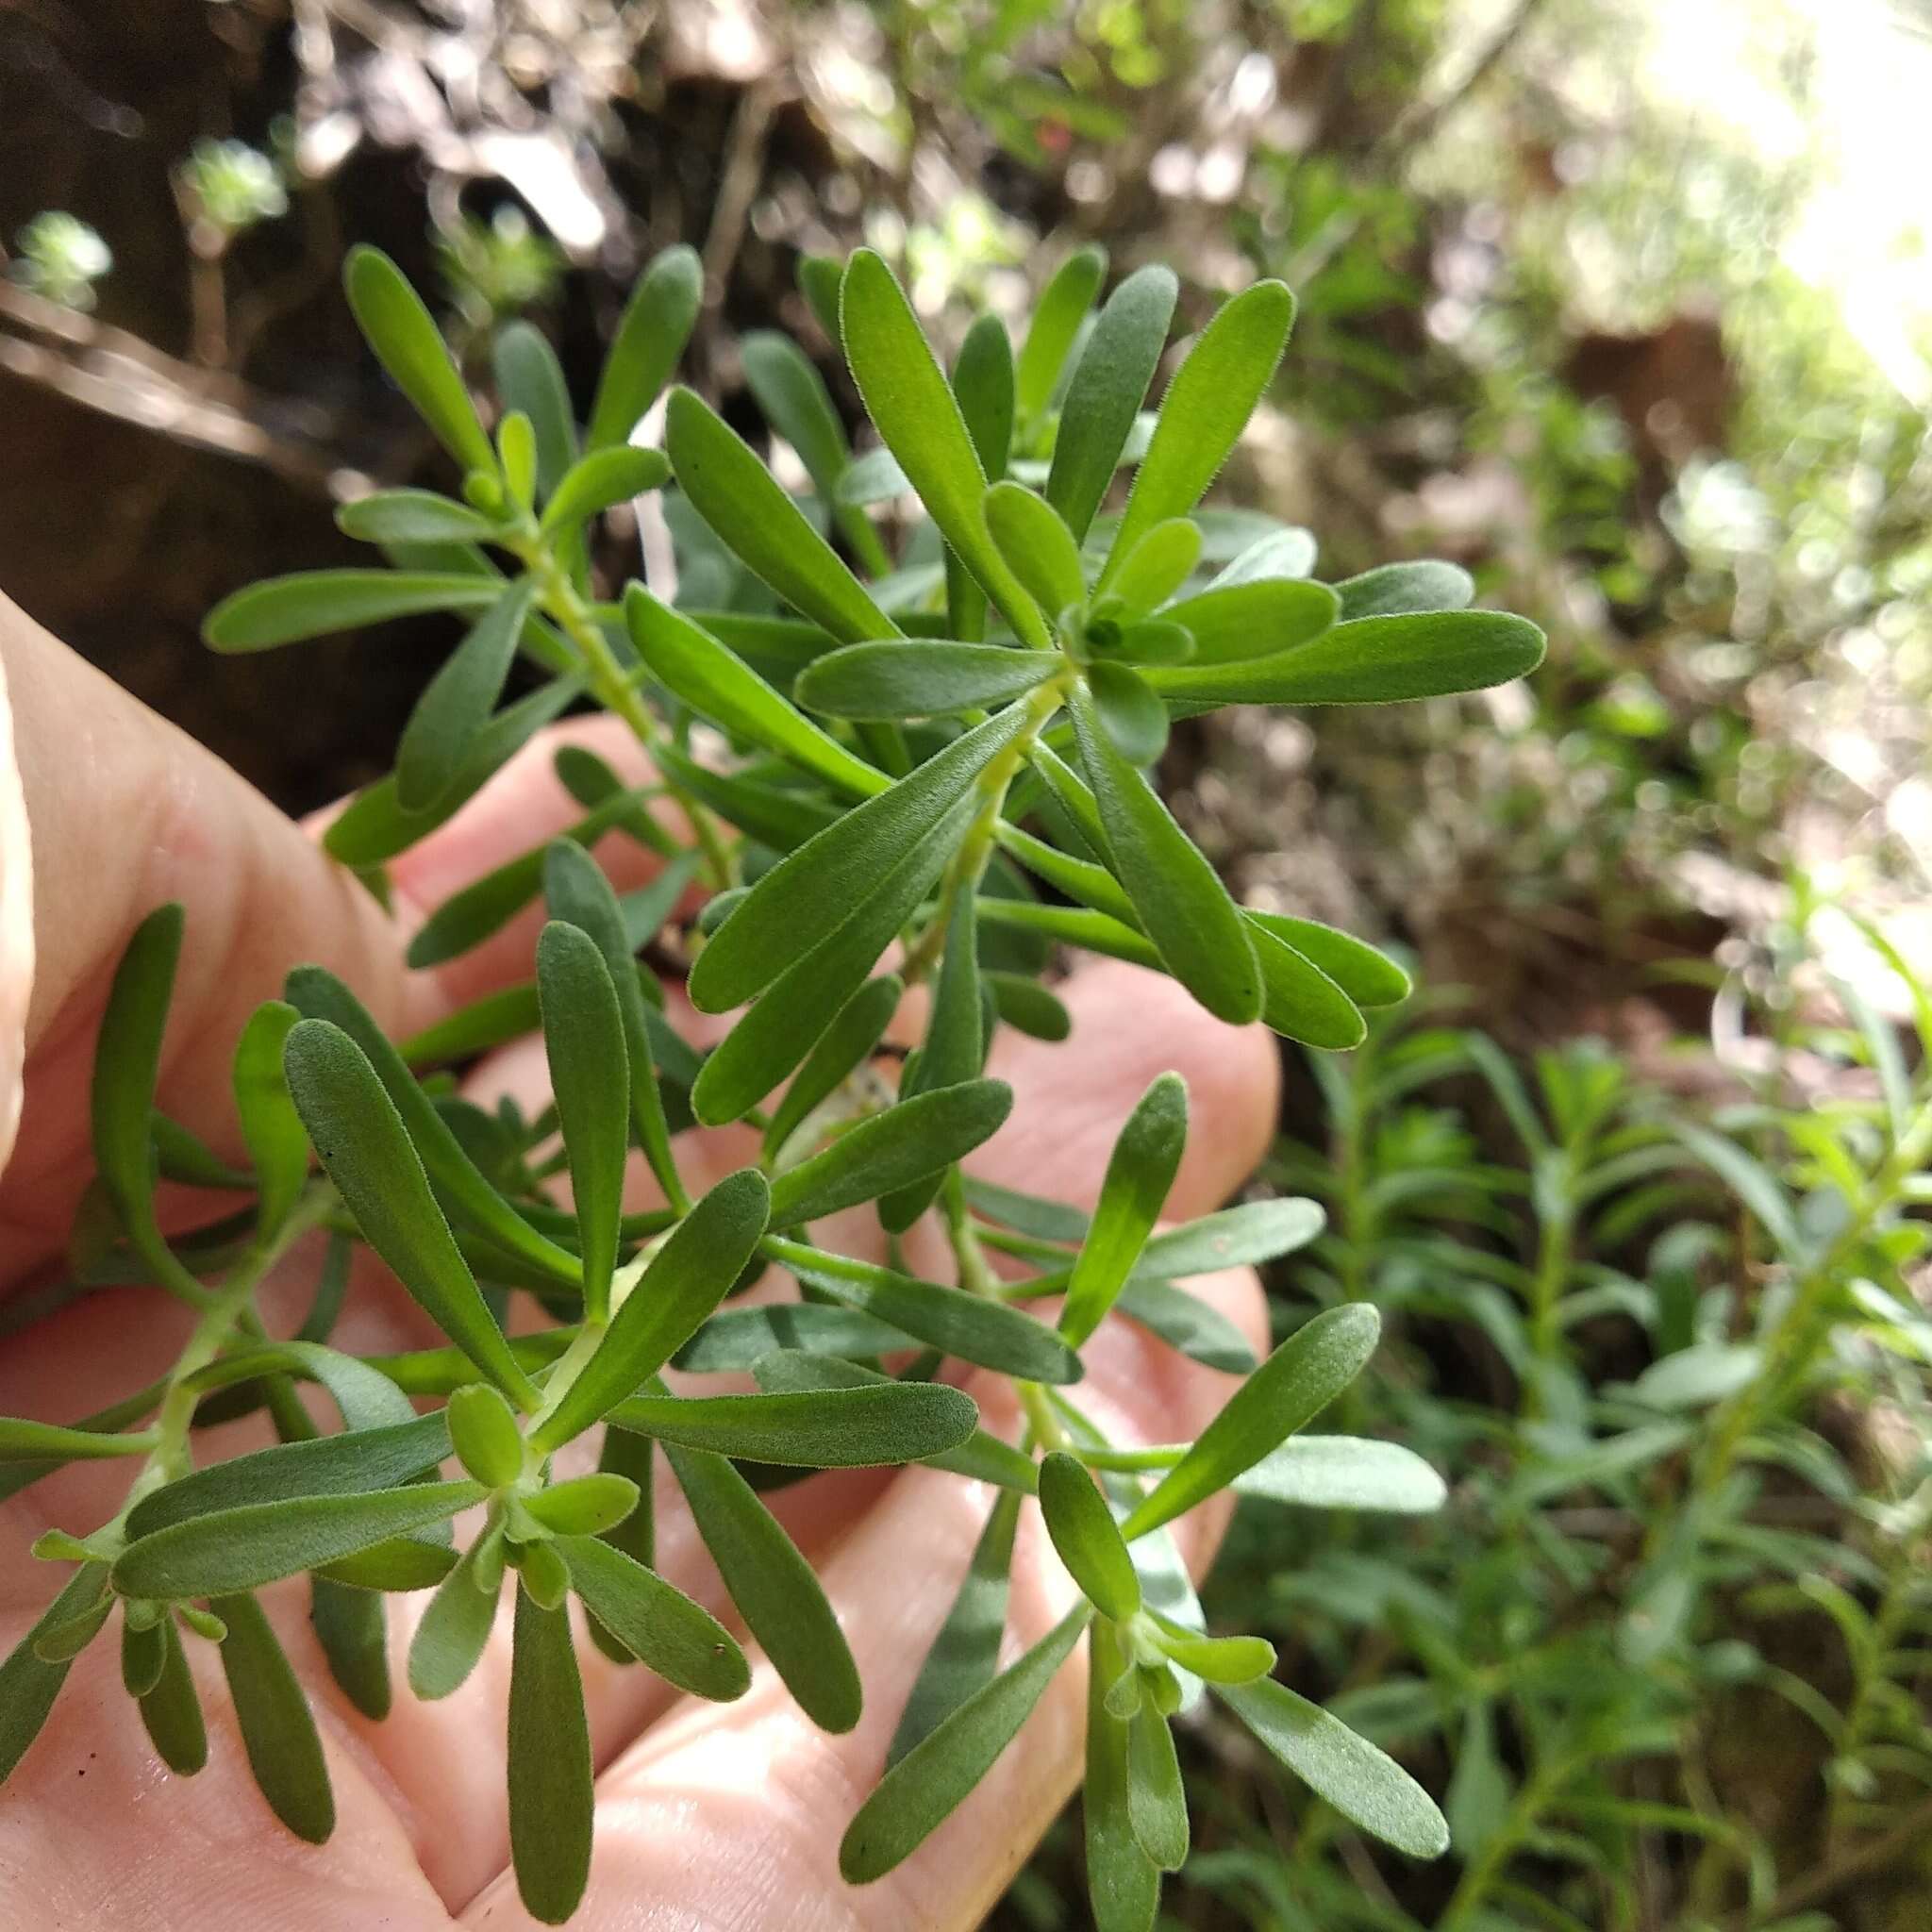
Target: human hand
[[708, 1815]]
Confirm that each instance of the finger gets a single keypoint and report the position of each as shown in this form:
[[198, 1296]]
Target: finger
[[756, 1799]]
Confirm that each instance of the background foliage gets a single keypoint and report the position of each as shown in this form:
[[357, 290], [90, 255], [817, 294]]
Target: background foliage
[[1635, 1180]]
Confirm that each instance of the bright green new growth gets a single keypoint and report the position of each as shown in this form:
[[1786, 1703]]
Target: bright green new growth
[[961, 778]]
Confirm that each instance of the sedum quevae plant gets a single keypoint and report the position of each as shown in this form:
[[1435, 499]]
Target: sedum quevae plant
[[874, 771]]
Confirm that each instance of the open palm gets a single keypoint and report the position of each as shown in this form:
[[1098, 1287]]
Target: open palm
[[708, 1815]]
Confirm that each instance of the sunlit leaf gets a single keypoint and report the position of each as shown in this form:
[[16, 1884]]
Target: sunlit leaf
[[1057, 317], [1345, 1473], [603, 478]]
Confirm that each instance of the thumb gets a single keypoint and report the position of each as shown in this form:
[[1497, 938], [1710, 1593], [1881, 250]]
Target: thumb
[[107, 811]]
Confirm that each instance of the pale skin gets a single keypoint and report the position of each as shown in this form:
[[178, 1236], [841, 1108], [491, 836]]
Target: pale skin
[[711, 1816]]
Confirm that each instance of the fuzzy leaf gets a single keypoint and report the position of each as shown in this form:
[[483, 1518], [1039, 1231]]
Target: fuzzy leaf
[[1396, 590], [601, 479], [1368, 977], [1233, 623], [1036, 544], [651, 334], [1057, 317], [277, 1727], [457, 701], [656, 1621], [922, 679], [456, 1626], [873, 1427], [413, 516], [550, 1795], [408, 345], [1345, 1473], [1087, 1536]]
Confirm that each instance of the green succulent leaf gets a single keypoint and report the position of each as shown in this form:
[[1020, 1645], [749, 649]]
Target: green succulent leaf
[[530, 379], [1288, 1390], [736, 1339], [890, 1149], [457, 701], [313, 603], [1215, 1660], [1160, 562], [1156, 1799], [922, 679], [1206, 405], [1140, 1173], [931, 1782], [655, 1621], [1129, 710], [484, 1433], [754, 518], [413, 516], [815, 891], [1371, 660], [1087, 1536], [1029, 1008], [1104, 394], [863, 1428], [1231, 624], [227, 1551], [1395, 590], [320, 996], [779, 1597], [916, 411], [584, 1042], [585, 1506], [408, 345], [957, 1323], [965, 1652], [1122, 1882], [29, 1682], [450, 1640], [651, 334], [362, 1140], [352, 1627], [1299, 1000], [551, 1794], [600, 480], [1362, 1783], [722, 686], [1368, 977], [686, 1279], [846, 1045], [1180, 898], [171, 1711], [1345, 1473], [1063, 307], [277, 1727], [1037, 543], [271, 1129]]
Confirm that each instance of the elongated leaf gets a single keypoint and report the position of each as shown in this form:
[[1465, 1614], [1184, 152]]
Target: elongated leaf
[[1365, 1784], [978, 1456], [601, 479], [459, 700], [171, 1710], [313, 603], [774, 815], [1233, 623], [585, 1044], [847, 1044], [585, 1505], [1122, 1882], [1130, 712], [530, 379], [778, 1594], [1090, 885], [790, 1016], [736, 1339], [576, 890], [916, 411], [1371, 660], [1279, 551], [1396, 588], [651, 334], [1216, 1659], [808, 896], [475, 1028], [408, 345], [866, 1427], [352, 1627], [1074, 925], [449, 1641], [320, 996], [818, 277], [413, 516], [698, 669], [1105, 395], [362, 1140], [965, 1652], [887, 1150], [1139, 1171], [931, 1782], [1056, 318], [277, 1727], [1299, 1001], [551, 1797], [357, 1461], [1368, 977], [754, 518], [1028, 1007], [1180, 900], [271, 1128], [1208, 402], [1036, 544], [1244, 1236], [1288, 1389], [1087, 1539], [484, 1433], [396, 1563], [924, 679], [23, 1439], [1160, 562], [687, 1278], [127, 1059], [241, 1549], [1156, 1800], [1345, 1473], [988, 1334], [374, 829], [28, 1682], [656, 1623]]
